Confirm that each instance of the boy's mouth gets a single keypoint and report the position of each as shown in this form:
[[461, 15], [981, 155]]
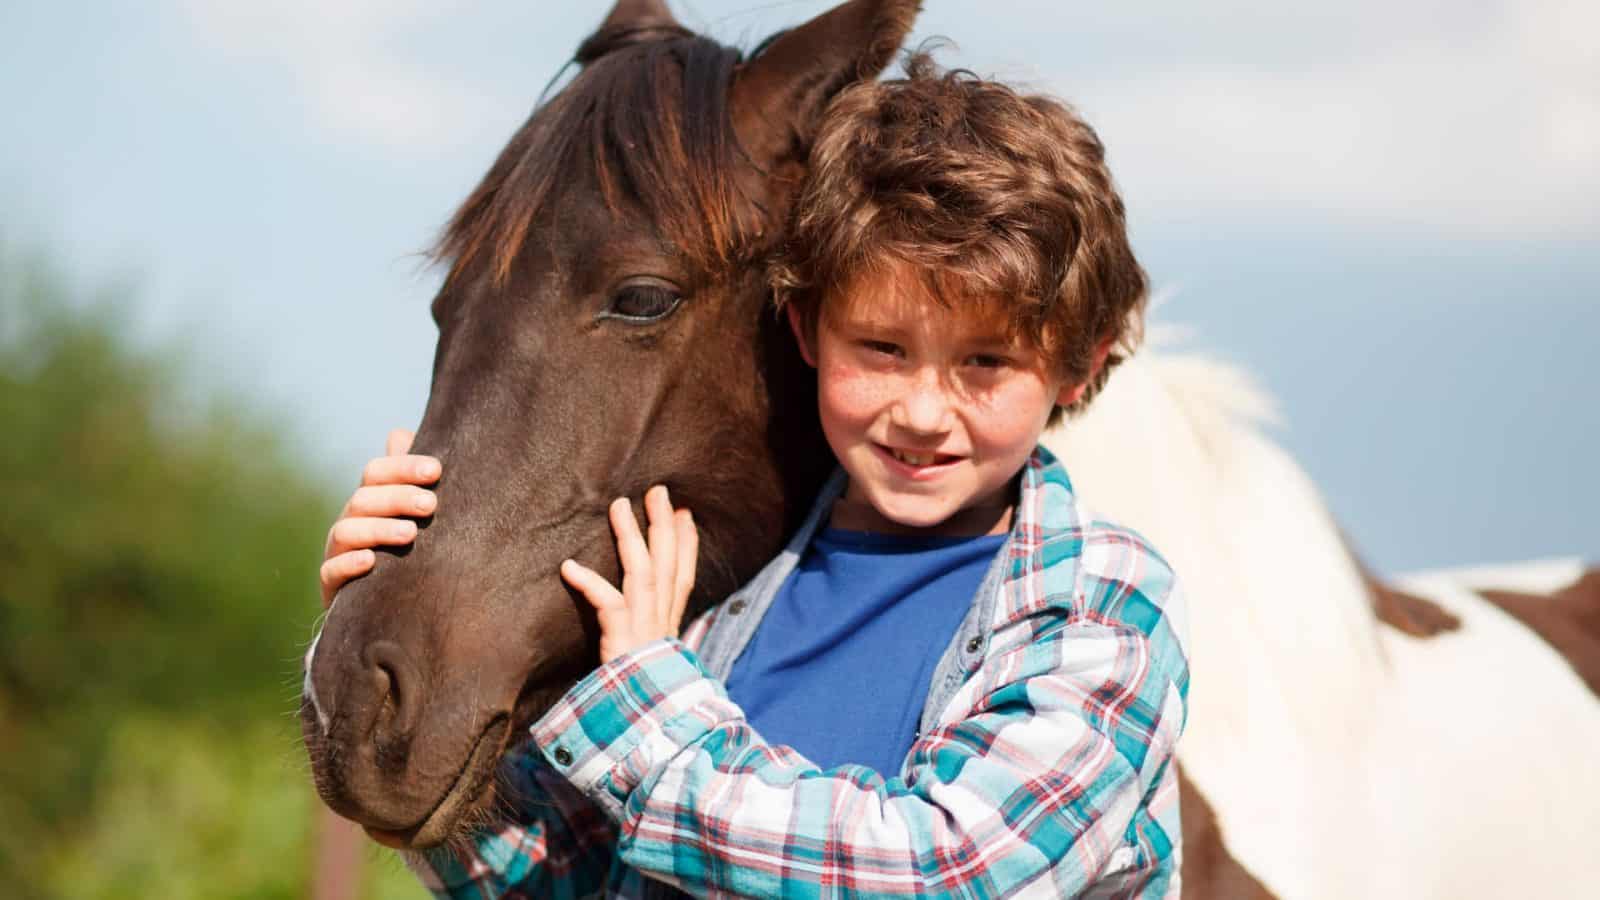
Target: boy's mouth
[[918, 459]]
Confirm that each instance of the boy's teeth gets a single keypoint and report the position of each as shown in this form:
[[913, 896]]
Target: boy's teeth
[[913, 459]]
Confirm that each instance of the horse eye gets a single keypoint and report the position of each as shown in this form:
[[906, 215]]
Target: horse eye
[[643, 303]]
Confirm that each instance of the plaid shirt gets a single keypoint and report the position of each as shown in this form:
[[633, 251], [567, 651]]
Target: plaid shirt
[[1045, 766]]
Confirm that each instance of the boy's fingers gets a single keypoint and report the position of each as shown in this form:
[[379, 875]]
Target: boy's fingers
[[688, 556], [391, 501], [401, 470], [399, 442], [631, 548], [663, 548], [591, 585], [361, 532], [340, 569]]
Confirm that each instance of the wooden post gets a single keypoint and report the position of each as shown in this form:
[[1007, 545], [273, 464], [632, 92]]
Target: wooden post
[[336, 861]]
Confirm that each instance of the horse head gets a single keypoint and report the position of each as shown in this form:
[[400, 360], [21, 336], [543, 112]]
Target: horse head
[[604, 325]]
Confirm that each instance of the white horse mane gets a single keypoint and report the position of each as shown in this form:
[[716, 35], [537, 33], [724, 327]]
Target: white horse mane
[[1212, 391], [1282, 626]]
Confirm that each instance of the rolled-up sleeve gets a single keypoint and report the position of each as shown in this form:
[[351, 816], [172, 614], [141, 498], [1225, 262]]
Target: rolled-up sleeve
[[1043, 786]]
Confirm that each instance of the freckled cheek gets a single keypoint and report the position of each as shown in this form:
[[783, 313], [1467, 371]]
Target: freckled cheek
[[848, 396], [1009, 423]]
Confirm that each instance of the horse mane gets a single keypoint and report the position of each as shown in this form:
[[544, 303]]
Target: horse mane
[[648, 117], [1213, 393], [1282, 622]]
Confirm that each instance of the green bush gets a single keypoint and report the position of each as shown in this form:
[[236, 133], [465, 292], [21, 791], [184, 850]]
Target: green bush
[[157, 584]]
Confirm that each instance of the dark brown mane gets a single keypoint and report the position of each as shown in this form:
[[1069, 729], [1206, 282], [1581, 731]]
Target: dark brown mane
[[648, 116]]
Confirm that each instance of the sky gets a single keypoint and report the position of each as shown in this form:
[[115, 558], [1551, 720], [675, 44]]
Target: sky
[[1388, 212]]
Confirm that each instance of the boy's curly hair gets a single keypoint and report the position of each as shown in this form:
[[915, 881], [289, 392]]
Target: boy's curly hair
[[993, 194]]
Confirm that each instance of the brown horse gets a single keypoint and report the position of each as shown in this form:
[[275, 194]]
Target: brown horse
[[604, 326]]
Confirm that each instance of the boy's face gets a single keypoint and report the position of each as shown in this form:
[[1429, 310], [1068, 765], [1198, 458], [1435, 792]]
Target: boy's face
[[931, 410]]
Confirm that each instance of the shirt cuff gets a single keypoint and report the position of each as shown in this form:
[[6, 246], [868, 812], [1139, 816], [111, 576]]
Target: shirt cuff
[[629, 716]]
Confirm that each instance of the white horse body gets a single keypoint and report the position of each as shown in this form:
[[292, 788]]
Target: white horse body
[[1342, 760]]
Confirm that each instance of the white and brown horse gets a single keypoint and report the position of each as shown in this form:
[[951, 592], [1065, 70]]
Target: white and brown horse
[[1347, 738]]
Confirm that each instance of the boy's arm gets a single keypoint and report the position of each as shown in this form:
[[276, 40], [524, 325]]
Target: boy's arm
[[1070, 734], [557, 843]]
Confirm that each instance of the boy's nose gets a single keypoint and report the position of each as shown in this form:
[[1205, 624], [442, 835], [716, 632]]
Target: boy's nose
[[924, 407]]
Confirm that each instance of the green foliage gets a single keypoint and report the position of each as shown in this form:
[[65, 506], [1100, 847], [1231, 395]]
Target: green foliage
[[157, 585], [229, 817]]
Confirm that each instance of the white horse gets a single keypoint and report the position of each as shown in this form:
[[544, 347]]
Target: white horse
[[1343, 760]]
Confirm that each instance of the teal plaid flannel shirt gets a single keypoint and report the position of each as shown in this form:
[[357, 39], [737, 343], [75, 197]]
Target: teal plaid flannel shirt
[[1045, 767]]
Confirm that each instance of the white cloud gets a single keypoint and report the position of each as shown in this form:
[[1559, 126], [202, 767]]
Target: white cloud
[[1484, 121], [348, 63], [1474, 119]]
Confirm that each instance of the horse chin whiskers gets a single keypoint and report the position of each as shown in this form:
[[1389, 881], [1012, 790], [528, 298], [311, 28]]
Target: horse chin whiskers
[[499, 801], [488, 808]]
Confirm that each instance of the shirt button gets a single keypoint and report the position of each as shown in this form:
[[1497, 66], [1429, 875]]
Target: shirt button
[[974, 645], [563, 756], [736, 607]]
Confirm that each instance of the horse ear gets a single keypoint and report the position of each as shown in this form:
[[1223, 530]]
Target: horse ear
[[633, 14], [629, 21], [778, 95]]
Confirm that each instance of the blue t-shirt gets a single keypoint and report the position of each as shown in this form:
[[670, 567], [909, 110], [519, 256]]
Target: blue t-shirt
[[840, 665]]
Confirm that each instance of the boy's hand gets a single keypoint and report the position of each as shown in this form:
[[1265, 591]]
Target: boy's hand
[[657, 576], [389, 490]]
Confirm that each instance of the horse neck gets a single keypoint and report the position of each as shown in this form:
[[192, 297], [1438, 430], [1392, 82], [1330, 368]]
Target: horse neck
[[1281, 631]]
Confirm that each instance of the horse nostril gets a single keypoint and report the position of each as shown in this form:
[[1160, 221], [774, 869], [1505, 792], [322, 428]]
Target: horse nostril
[[397, 685]]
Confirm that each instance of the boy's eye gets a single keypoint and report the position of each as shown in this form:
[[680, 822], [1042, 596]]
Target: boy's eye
[[883, 347], [986, 361]]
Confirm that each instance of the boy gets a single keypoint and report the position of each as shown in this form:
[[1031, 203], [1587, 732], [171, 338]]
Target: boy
[[954, 681]]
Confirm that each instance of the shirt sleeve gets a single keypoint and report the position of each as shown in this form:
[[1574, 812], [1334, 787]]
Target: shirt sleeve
[[554, 844], [1041, 786]]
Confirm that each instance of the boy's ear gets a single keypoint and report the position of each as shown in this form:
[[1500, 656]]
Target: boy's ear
[[1072, 393], [798, 326], [778, 96]]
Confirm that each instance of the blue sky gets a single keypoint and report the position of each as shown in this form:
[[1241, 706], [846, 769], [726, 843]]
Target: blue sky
[[1388, 211]]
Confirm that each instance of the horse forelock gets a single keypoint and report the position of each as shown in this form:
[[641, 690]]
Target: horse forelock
[[648, 119]]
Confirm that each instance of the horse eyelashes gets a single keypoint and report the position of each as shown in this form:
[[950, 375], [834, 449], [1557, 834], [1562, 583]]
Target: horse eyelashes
[[643, 303]]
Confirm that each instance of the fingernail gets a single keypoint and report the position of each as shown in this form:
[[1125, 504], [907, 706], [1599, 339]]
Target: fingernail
[[428, 469], [403, 530], [425, 502]]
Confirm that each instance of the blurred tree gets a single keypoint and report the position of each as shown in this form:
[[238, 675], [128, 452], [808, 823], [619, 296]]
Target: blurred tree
[[157, 564]]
